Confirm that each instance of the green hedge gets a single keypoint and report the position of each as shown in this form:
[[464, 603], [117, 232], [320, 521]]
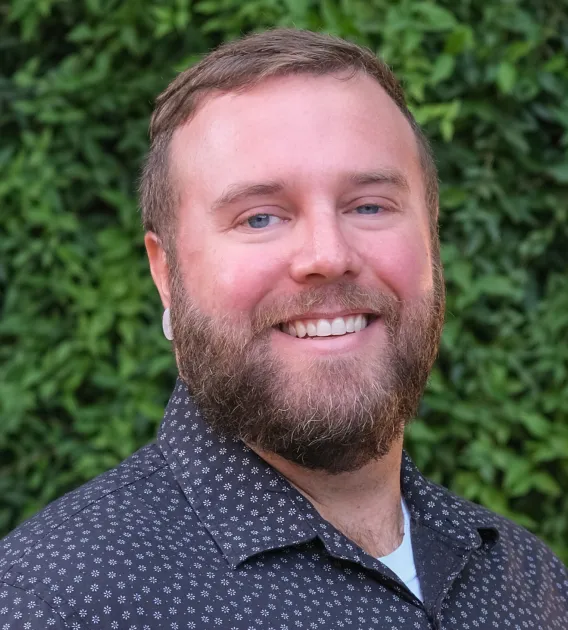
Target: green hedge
[[84, 370]]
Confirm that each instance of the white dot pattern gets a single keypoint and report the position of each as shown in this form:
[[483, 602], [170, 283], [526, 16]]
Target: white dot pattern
[[197, 532]]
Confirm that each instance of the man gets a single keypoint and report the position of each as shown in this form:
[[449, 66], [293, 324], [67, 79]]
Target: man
[[290, 204]]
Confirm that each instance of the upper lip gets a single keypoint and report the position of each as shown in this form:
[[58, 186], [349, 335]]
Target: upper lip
[[321, 315]]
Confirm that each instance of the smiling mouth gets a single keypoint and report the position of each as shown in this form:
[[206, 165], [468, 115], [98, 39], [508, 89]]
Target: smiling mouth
[[336, 327]]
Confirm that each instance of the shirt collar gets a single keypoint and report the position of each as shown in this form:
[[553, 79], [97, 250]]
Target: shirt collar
[[241, 500], [435, 507], [248, 507]]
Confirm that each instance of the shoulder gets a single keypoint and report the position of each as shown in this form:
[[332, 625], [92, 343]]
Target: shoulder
[[514, 548], [83, 503], [511, 534], [504, 559], [44, 560]]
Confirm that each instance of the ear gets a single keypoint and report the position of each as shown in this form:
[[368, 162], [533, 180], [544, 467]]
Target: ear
[[158, 266]]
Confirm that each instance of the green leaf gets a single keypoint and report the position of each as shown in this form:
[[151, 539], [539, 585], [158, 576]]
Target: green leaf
[[435, 16], [443, 68], [506, 77], [559, 172]]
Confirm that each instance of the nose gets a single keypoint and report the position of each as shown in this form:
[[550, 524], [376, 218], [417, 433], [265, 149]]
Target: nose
[[325, 252]]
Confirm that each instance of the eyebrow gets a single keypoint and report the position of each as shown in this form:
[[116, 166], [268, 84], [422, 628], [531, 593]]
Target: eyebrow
[[239, 191], [384, 176]]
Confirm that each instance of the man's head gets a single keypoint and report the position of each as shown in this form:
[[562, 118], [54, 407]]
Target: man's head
[[289, 194]]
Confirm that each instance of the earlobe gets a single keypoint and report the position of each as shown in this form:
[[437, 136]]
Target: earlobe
[[158, 266]]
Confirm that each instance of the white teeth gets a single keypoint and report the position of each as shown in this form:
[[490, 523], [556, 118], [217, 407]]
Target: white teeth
[[324, 328], [357, 324], [338, 326], [300, 329]]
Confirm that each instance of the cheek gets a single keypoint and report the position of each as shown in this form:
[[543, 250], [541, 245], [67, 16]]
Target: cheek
[[232, 279], [404, 264]]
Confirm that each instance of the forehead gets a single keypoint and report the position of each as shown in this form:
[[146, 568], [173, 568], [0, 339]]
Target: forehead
[[301, 127]]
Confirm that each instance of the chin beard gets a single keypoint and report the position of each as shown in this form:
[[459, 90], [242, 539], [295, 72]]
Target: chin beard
[[339, 413]]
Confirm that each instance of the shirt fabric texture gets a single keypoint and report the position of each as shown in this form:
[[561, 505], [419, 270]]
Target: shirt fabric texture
[[198, 532]]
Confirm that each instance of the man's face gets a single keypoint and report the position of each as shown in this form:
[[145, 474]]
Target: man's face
[[302, 213]]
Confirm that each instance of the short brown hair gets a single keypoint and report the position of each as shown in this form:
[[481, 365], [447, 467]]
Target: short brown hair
[[239, 65]]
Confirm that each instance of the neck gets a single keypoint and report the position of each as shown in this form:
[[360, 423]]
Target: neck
[[364, 505]]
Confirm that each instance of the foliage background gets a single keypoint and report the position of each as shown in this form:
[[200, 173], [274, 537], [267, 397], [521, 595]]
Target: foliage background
[[84, 370]]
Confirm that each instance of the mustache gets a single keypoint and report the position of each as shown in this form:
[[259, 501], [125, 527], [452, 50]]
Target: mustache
[[340, 296]]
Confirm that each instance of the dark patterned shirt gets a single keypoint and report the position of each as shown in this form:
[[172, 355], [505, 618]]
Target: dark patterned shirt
[[198, 532]]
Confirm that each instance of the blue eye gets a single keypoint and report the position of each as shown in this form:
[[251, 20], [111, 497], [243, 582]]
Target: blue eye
[[369, 208], [261, 220]]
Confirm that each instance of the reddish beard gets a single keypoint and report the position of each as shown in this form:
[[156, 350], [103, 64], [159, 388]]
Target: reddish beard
[[338, 415]]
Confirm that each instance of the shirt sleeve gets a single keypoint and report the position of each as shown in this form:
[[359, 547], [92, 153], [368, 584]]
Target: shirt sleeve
[[22, 610]]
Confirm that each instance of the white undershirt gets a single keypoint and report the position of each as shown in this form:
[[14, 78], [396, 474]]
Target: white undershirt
[[401, 560]]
